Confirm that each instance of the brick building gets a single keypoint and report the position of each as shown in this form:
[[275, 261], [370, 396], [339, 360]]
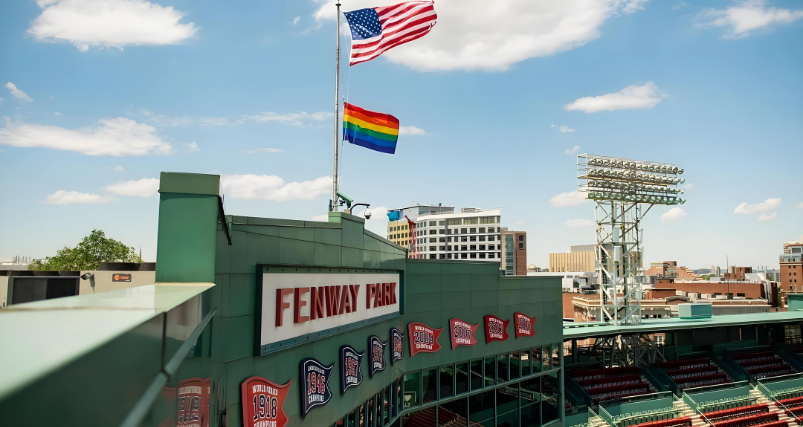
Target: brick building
[[737, 273], [792, 266], [671, 269]]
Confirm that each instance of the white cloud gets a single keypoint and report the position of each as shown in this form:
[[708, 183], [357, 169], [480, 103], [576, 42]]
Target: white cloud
[[764, 217], [296, 19], [109, 137], [212, 121], [62, 197], [16, 93], [301, 119], [571, 198], [520, 222], [117, 168], [768, 205], [634, 6], [679, 5], [631, 97], [379, 212], [273, 188], [742, 19], [673, 214], [109, 23], [57, 114], [689, 185], [192, 147], [575, 223], [183, 121], [321, 218], [799, 205], [144, 187], [566, 129], [470, 35], [264, 150], [411, 130], [572, 150]]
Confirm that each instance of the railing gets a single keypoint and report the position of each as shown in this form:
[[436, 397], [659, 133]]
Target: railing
[[770, 395], [645, 416], [659, 378], [605, 415], [592, 415], [729, 369], [637, 398]]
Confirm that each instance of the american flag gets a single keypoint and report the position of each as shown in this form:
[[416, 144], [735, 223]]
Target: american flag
[[375, 30]]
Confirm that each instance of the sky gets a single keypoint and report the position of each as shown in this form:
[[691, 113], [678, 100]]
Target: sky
[[99, 96]]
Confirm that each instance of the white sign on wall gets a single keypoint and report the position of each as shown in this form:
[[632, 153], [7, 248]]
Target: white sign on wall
[[298, 307]]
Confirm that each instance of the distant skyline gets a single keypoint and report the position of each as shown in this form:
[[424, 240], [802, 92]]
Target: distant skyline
[[494, 105]]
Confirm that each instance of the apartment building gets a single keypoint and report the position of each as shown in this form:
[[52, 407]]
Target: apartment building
[[471, 234], [514, 252], [792, 266]]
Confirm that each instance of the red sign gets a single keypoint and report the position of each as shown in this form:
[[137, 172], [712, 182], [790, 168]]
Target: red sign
[[463, 333], [263, 403], [525, 325], [423, 339], [193, 402], [495, 328]]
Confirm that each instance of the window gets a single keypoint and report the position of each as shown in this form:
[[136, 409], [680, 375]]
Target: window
[[481, 408], [442, 239], [525, 362], [433, 256], [491, 247], [446, 381], [482, 238], [536, 356], [473, 247], [521, 237], [482, 247], [521, 245], [472, 238], [441, 231], [457, 407], [463, 248], [507, 405], [556, 349], [433, 223], [448, 256], [448, 239], [441, 222], [454, 221], [463, 256], [473, 256], [411, 384], [546, 356], [470, 221], [433, 240], [463, 239], [490, 371], [491, 256], [461, 378], [432, 248], [550, 390], [482, 229], [502, 363], [491, 238], [463, 230], [482, 255], [449, 248], [487, 220], [433, 231], [476, 375], [430, 384], [441, 248], [515, 365]]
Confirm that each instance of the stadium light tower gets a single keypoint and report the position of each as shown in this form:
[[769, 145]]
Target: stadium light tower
[[622, 188]]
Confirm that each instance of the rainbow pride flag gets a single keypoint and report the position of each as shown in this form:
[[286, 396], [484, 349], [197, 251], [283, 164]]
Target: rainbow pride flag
[[376, 131]]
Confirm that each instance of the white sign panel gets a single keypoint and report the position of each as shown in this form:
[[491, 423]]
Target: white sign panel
[[297, 304]]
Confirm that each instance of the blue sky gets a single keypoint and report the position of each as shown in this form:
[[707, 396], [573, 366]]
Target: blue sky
[[99, 96]]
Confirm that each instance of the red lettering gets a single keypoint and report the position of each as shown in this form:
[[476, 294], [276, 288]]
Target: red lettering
[[354, 289], [378, 295], [280, 304], [332, 300], [393, 293], [386, 294], [297, 317], [317, 303], [370, 292], [345, 301]]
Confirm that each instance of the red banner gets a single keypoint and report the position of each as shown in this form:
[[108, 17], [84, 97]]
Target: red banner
[[525, 325], [263, 403], [495, 328], [193, 402], [423, 339], [463, 333]]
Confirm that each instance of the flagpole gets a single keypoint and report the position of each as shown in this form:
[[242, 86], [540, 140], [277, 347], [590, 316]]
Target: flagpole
[[337, 110]]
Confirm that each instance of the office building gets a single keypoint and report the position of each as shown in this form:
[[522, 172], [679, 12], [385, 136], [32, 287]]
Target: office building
[[514, 252], [399, 231], [471, 234], [581, 258]]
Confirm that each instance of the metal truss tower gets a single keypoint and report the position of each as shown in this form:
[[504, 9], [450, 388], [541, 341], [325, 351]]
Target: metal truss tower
[[621, 189]]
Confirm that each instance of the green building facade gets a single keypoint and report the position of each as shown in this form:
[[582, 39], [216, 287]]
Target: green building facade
[[490, 384]]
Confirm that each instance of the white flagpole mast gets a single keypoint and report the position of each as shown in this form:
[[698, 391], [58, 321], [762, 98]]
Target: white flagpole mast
[[337, 110]]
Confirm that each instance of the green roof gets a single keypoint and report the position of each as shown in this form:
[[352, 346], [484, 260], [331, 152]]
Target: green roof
[[596, 329], [40, 337]]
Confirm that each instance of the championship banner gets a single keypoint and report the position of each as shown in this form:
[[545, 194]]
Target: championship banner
[[314, 385], [423, 339], [495, 328], [377, 354], [263, 403], [463, 333], [350, 362], [525, 325], [397, 345], [193, 402]]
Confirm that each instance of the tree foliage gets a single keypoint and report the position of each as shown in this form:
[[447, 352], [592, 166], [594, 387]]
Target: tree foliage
[[87, 255]]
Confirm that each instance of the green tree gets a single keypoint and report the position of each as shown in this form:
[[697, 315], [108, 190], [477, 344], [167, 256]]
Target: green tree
[[88, 254]]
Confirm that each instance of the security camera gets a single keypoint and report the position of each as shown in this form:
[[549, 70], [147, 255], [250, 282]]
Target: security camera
[[367, 215], [87, 276]]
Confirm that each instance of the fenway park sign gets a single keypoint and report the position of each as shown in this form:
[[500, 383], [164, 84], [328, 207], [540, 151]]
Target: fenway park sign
[[299, 307]]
